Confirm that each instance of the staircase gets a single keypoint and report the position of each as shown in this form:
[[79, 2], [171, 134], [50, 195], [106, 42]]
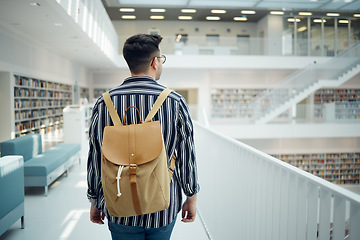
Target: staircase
[[304, 82]]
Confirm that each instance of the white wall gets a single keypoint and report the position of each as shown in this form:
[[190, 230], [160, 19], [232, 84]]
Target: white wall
[[21, 55], [271, 28]]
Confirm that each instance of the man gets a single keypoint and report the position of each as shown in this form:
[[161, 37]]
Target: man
[[143, 56]]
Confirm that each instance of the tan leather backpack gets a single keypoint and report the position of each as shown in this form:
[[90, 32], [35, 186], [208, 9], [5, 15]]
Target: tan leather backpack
[[134, 172]]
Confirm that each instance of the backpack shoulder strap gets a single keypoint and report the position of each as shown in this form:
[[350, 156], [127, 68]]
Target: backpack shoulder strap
[[159, 101], [110, 106]]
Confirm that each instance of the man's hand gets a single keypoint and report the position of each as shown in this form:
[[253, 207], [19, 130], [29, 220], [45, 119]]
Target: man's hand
[[189, 209], [96, 215]]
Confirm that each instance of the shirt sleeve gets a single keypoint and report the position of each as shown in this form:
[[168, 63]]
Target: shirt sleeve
[[186, 152], [94, 160]]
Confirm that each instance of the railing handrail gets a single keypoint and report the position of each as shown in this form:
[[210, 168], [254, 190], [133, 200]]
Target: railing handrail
[[348, 195]]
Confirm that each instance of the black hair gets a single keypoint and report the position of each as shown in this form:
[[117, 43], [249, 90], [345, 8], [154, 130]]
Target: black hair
[[139, 50]]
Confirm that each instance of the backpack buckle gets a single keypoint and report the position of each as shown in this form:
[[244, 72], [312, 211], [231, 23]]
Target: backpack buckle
[[132, 169]]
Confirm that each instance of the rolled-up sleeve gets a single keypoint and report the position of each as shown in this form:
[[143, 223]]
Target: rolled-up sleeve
[[186, 152], [94, 160]]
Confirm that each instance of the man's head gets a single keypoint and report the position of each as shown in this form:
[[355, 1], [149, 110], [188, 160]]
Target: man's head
[[142, 54]]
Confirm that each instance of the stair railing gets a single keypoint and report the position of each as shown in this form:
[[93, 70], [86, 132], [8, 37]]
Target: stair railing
[[305, 78]]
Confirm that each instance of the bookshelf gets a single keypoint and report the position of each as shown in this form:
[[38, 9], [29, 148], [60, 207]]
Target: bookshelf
[[99, 91], [344, 103], [339, 168], [237, 103], [38, 104]]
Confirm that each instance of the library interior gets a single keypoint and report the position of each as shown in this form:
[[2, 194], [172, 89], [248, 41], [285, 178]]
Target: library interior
[[273, 89]]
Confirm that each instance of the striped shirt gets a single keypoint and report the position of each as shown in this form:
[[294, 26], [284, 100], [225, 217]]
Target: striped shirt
[[177, 130]]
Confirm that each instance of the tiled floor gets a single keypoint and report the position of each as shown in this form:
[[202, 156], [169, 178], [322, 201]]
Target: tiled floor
[[64, 213]]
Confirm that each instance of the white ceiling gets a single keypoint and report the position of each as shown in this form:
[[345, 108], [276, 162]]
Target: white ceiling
[[38, 24], [343, 5]]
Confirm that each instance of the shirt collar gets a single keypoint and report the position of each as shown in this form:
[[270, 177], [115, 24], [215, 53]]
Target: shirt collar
[[139, 79]]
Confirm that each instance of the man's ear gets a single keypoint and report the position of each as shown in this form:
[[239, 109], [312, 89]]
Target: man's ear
[[154, 63]]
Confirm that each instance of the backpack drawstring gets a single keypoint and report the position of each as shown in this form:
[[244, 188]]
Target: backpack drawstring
[[118, 181]]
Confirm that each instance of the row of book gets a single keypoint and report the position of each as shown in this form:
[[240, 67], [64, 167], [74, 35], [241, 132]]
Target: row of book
[[36, 124], [20, 104], [31, 93], [36, 83], [44, 113]]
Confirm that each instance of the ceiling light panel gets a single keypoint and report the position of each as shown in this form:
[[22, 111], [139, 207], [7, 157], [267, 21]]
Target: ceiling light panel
[[248, 12], [319, 20], [305, 13], [333, 14], [128, 17], [157, 10], [357, 15], [188, 10], [301, 29], [185, 17], [212, 18], [277, 12], [293, 20], [127, 10], [240, 18], [218, 11], [157, 17], [343, 21]]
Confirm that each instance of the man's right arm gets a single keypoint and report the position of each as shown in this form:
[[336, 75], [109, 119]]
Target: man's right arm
[[189, 209], [94, 160]]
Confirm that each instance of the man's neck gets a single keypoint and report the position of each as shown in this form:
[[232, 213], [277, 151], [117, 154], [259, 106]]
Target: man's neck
[[142, 75]]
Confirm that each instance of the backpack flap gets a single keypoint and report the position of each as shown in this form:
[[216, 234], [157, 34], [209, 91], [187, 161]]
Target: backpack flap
[[144, 143]]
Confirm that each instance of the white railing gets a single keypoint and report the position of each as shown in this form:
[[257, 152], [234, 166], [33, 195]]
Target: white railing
[[247, 194]]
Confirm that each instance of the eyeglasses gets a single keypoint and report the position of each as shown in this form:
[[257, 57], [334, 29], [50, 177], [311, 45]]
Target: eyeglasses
[[162, 58]]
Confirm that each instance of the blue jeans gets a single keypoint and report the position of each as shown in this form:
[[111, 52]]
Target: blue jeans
[[119, 232]]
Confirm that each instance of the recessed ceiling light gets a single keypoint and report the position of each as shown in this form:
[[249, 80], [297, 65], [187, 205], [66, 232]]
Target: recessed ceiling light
[[157, 10], [240, 18], [128, 17], [343, 21], [188, 10], [212, 18], [357, 15], [157, 17], [277, 12], [184, 17], [301, 29], [127, 10], [333, 14], [319, 20], [248, 12], [34, 4], [305, 13], [218, 11], [293, 20]]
